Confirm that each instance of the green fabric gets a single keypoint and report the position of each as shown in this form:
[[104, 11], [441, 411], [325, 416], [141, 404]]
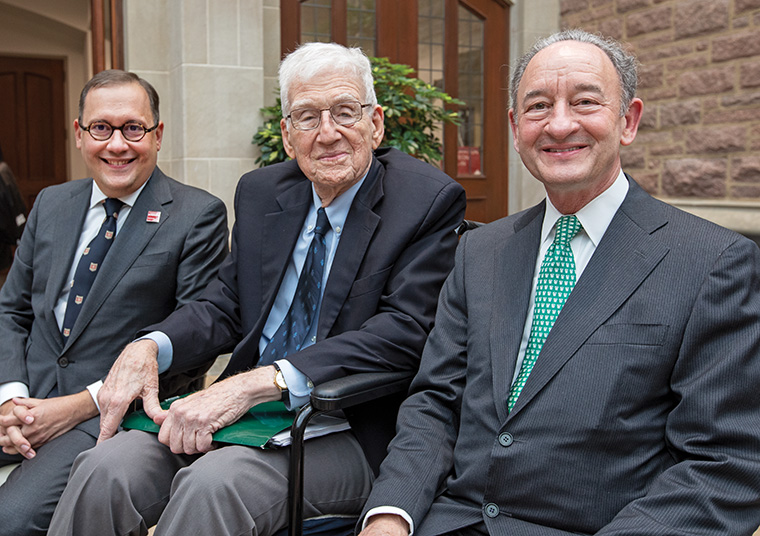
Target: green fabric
[[555, 282]]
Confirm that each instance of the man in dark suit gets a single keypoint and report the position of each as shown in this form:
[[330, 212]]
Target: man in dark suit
[[388, 244], [168, 244], [639, 415]]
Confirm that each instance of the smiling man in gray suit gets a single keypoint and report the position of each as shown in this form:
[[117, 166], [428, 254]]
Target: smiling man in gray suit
[[632, 409], [59, 336]]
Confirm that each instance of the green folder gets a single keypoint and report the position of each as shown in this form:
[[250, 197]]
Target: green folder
[[254, 429]]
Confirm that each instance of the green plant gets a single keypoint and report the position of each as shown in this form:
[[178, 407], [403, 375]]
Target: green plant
[[413, 109]]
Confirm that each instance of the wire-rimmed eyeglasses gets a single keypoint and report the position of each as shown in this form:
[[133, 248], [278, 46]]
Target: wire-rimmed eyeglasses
[[344, 114], [131, 130]]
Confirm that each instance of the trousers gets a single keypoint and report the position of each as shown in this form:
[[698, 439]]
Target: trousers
[[131, 482]]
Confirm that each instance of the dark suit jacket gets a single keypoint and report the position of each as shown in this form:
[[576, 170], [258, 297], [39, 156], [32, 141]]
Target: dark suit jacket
[[641, 415], [151, 269], [379, 301]]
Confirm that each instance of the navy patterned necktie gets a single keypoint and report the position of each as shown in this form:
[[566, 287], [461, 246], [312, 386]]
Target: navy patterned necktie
[[291, 334], [89, 265], [555, 282]]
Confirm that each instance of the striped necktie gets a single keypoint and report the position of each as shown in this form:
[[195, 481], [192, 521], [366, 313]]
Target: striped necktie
[[291, 334]]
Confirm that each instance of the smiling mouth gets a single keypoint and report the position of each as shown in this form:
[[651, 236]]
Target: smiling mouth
[[117, 163], [565, 150]]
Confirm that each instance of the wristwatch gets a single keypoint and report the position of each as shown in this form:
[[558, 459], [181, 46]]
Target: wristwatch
[[279, 382]]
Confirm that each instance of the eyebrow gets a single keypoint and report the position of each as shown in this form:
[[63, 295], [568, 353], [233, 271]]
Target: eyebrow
[[593, 88], [345, 97]]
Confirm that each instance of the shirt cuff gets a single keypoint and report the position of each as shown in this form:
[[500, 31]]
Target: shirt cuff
[[10, 390], [299, 386], [165, 349], [389, 510], [94, 389]]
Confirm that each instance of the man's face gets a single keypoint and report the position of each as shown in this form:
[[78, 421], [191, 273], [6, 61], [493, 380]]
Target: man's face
[[333, 157], [566, 122], [118, 166]]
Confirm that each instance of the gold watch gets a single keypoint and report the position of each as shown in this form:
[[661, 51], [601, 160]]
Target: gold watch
[[279, 382]]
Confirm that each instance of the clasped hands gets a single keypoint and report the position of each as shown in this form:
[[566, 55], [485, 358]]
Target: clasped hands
[[189, 423], [28, 423]]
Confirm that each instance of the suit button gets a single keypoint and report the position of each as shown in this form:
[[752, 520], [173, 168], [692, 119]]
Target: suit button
[[505, 439], [492, 510], [63, 362]]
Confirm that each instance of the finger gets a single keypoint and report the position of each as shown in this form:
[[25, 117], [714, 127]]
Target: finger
[[153, 408], [204, 441], [22, 410], [110, 420], [20, 443]]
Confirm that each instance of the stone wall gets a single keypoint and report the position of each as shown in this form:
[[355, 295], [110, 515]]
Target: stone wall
[[700, 83]]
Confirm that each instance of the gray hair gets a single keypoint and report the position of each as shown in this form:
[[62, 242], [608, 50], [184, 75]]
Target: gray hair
[[117, 77], [625, 64], [312, 59]]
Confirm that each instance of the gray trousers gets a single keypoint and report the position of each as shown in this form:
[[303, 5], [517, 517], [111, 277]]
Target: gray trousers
[[29, 496], [131, 482]]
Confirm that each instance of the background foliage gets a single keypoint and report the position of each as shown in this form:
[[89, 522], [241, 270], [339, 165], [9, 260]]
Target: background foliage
[[413, 109]]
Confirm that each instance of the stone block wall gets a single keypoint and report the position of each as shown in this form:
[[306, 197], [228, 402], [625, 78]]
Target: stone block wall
[[700, 83]]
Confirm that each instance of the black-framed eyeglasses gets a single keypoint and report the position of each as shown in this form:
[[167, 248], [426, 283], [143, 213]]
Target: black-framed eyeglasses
[[344, 114], [131, 130]]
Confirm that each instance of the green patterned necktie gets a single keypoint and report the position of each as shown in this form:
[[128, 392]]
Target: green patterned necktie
[[555, 281]]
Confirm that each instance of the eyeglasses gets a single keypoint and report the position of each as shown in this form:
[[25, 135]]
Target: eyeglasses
[[344, 114], [132, 130]]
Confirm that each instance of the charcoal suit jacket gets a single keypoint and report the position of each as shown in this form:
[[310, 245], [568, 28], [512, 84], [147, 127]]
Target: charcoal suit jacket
[[641, 415], [152, 268], [395, 251]]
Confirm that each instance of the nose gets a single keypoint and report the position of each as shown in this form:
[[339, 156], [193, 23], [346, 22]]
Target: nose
[[328, 130], [117, 142], [561, 122]]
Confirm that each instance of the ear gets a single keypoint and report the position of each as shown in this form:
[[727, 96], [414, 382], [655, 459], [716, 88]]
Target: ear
[[159, 135], [632, 119], [513, 125], [378, 126], [286, 138], [78, 133]]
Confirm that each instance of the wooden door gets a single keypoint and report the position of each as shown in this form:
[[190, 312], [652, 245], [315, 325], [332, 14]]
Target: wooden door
[[461, 46], [33, 122]]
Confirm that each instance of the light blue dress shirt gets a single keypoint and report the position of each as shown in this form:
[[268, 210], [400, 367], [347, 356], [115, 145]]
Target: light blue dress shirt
[[299, 386]]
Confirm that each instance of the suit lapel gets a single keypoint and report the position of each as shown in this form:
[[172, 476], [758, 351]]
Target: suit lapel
[[511, 292], [628, 247], [69, 216], [361, 224], [130, 242]]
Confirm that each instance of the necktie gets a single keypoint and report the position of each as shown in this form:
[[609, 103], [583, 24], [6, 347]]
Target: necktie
[[89, 264], [555, 281], [296, 325]]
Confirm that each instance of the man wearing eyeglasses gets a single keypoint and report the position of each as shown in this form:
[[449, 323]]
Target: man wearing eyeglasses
[[83, 282], [337, 260]]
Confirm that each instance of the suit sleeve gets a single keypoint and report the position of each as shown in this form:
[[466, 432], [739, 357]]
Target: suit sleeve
[[421, 455], [392, 338], [713, 431], [16, 311], [204, 250]]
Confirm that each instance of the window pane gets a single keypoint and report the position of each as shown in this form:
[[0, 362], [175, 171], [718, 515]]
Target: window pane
[[315, 21], [470, 55], [360, 24], [430, 31]]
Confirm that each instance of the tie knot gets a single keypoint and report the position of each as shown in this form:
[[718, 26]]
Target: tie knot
[[322, 223], [567, 228], [113, 206]]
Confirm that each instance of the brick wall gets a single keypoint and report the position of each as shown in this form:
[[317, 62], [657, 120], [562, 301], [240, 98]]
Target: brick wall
[[700, 83]]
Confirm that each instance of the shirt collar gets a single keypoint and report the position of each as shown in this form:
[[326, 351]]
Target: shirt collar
[[337, 211], [596, 216], [97, 197]]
